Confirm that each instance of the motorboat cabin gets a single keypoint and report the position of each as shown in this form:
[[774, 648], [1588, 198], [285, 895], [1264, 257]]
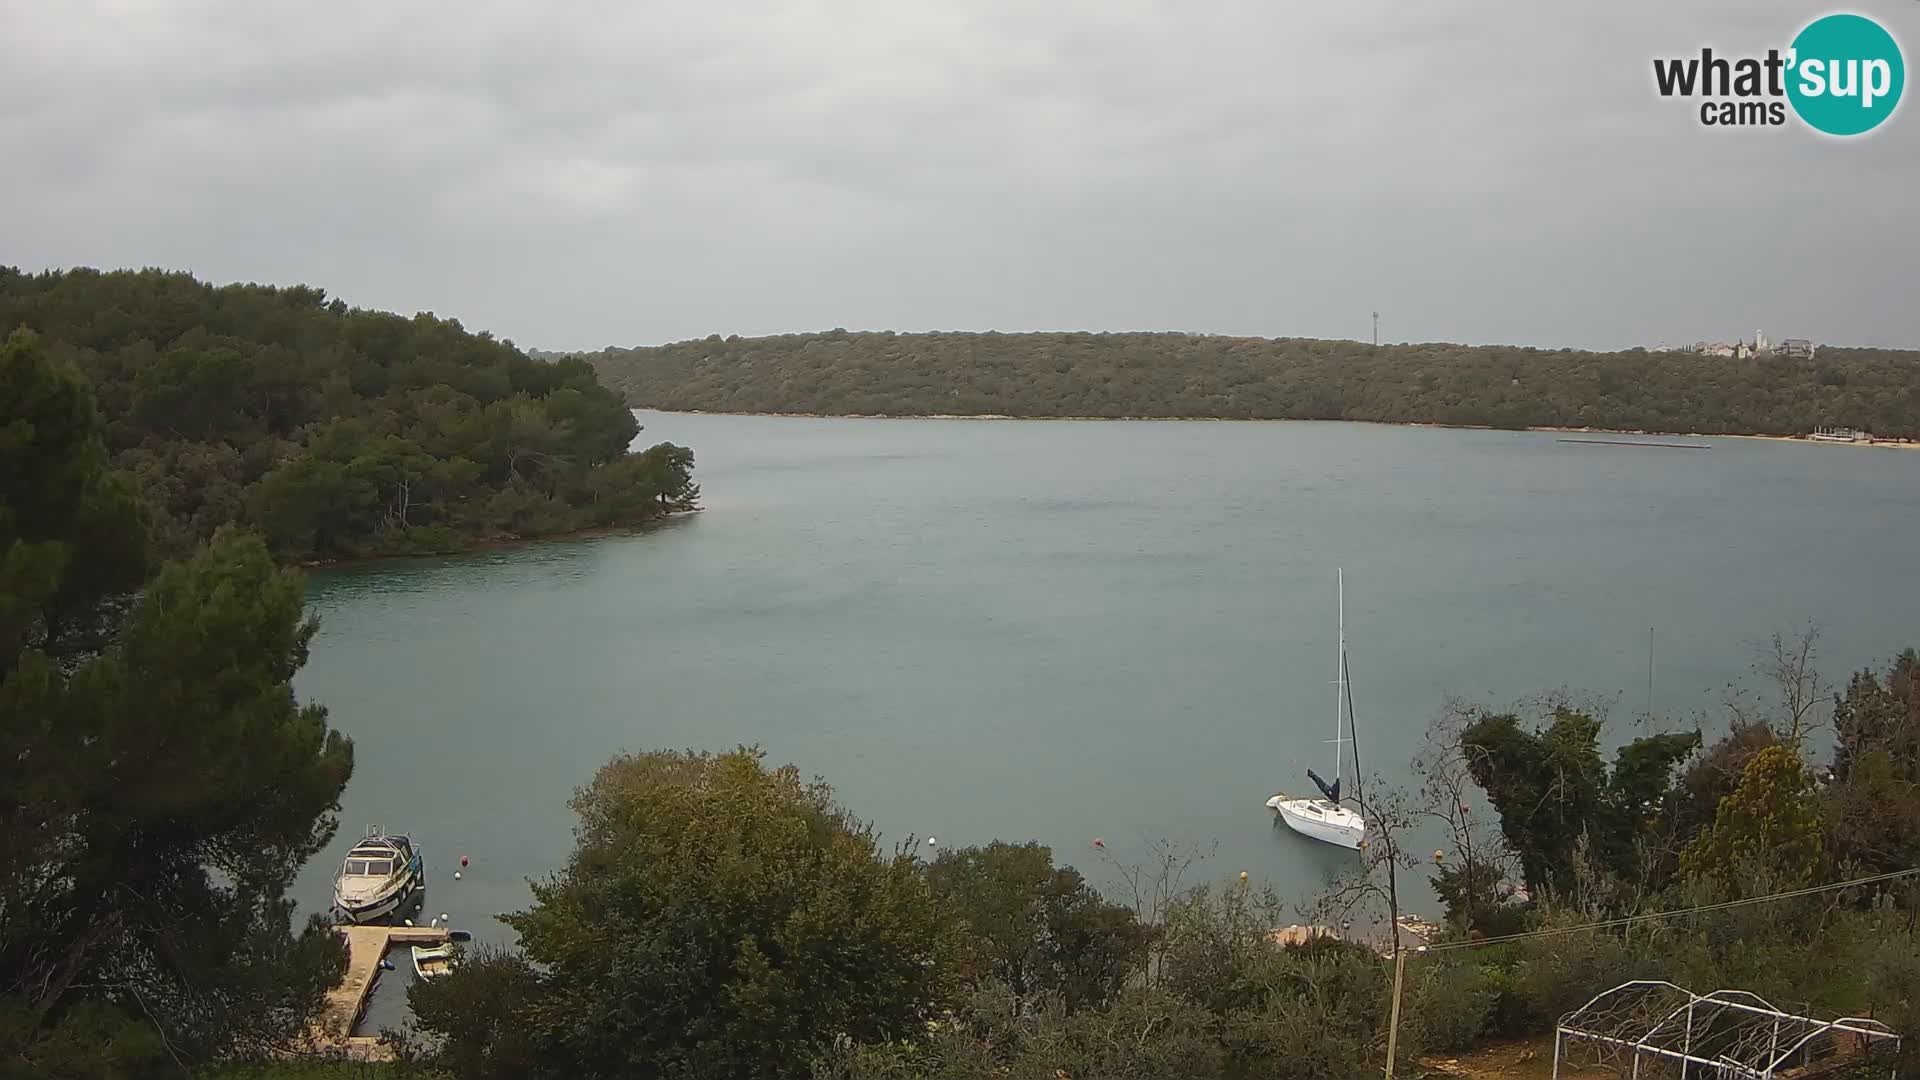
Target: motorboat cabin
[[377, 876]]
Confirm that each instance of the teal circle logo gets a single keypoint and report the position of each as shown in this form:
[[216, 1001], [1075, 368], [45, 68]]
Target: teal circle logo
[[1846, 74]]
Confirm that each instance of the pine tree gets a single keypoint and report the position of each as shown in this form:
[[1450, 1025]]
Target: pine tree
[[159, 785]]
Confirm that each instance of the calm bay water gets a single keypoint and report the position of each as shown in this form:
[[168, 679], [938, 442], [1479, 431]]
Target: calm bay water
[[1062, 630]]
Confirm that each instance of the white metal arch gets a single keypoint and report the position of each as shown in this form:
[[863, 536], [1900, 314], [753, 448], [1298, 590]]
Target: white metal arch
[[1725, 1035]]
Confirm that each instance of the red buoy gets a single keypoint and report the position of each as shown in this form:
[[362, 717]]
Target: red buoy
[[463, 860], [1099, 843]]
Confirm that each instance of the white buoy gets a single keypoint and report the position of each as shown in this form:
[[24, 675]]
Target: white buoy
[[443, 918], [431, 923], [409, 922], [931, 842], [456, 875]]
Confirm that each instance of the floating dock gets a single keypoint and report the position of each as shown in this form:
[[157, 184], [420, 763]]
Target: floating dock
[[366, 947]]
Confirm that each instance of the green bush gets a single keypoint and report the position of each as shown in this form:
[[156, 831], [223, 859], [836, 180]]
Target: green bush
[[716, 918], [1449, 1003], [1139, 1032], [1537, 980]]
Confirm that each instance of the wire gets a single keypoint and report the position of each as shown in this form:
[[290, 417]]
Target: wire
[[1627, 920]]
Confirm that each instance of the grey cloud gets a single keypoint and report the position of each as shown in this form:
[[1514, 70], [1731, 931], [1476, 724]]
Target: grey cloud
[[582, 174]]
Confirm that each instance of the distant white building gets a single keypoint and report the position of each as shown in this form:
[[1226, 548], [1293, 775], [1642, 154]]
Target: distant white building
[[1744, 350]]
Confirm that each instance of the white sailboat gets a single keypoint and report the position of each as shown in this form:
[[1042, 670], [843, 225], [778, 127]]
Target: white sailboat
[[1326, 818]]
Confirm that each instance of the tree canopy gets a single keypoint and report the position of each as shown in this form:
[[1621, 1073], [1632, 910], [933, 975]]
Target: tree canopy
[[1770, 822], [1191, 375], [1559, 803], [716, 918], [1037, 927], [338, 432], [1873, 802], [159, 784]]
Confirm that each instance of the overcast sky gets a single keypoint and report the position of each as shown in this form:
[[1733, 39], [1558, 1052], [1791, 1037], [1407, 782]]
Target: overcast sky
[[578, 175]]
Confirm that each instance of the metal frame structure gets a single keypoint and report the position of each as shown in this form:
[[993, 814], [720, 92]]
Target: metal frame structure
[[1649, 1028]]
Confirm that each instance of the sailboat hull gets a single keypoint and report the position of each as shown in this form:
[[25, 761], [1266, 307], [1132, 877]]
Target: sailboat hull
[[1322, 821]]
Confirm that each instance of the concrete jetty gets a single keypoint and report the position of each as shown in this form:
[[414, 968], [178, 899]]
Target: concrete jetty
[[366, 947]]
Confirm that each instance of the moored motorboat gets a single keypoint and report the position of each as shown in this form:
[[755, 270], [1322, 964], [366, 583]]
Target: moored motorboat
[[377, 876]]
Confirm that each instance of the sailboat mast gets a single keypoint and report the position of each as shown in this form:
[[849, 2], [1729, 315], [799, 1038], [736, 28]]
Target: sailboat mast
[[1340, 681]]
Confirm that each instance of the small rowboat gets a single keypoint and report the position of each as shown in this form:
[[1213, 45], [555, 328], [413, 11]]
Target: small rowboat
[[433, 961]]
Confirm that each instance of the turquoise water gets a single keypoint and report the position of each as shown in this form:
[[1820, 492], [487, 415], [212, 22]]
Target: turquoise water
[[1062, 630]]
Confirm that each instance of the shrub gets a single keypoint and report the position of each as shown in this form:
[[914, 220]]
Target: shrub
[[1448, 1003]]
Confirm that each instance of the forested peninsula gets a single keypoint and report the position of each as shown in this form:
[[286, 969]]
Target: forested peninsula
[[337, 432], [1196, 376]]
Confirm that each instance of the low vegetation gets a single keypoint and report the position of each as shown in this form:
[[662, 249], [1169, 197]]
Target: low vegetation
[[1016, 966], [707, 891], [1189, 375]]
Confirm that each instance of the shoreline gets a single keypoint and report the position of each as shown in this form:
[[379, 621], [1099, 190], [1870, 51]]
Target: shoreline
[[1887, 444], [491, 543]]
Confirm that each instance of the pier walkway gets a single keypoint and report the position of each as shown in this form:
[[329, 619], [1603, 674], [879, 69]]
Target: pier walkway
[[366, 947]]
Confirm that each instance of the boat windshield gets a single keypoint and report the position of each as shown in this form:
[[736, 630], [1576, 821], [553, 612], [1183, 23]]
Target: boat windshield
[[369, 867]]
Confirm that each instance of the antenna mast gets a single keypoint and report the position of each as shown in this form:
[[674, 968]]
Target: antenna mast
[[1376, 329]]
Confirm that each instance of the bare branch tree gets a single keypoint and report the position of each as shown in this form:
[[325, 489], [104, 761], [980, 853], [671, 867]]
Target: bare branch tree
[[1371, 889], [1793, 666], [1485, 865], [1801, 701], [1154, 885]]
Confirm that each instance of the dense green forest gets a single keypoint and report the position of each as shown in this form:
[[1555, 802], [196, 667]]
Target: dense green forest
[[337, 432], [1185, 375]]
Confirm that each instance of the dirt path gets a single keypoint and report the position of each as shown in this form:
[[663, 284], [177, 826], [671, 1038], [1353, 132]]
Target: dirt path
[[1528, 1059]]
